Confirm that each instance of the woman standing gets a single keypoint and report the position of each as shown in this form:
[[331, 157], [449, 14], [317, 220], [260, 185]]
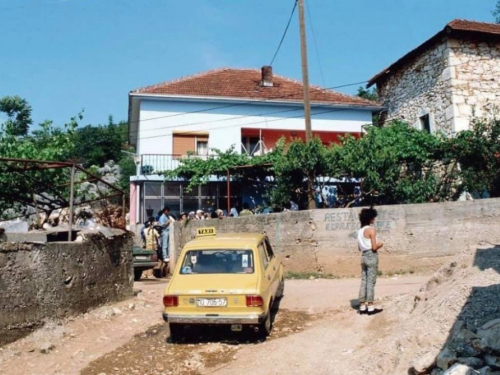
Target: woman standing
[[368, 245]]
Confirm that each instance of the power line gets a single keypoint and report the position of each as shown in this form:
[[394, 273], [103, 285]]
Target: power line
[[250, 123], [309, 15], [238, 104], [249, 102], [285, 32]]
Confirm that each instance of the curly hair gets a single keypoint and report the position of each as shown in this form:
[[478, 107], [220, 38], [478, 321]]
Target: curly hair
[[367, 215]]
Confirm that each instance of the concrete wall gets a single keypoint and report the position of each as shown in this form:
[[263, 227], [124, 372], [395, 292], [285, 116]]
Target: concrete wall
[[41, 281], [418, 238]]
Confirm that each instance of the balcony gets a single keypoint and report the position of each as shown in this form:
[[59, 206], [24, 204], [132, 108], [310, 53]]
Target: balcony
[[151, 164]]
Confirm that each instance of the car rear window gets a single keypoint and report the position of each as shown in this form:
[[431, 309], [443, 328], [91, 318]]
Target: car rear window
[[218, 261]]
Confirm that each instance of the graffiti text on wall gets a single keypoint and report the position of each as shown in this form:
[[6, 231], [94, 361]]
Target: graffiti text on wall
[[386, 220]]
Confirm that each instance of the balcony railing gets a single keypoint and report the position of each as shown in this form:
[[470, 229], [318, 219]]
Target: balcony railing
[[156, 163]]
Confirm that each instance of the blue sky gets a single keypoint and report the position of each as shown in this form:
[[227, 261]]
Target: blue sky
[[67, 55]]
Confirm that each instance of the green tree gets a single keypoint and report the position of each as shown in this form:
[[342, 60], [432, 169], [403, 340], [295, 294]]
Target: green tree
[[23, 185], [19, 112], [301, 170], [398, 163], [95, 145], [496, 12], [370, 94], [199, 170], [127, 169], [478, 153]]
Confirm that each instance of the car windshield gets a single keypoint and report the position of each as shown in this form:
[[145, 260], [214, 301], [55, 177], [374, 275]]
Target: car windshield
[[218, 261]]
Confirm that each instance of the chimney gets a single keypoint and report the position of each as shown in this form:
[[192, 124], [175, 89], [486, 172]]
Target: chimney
[[267, 76]]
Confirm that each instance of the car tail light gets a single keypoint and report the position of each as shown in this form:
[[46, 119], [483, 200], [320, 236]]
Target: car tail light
[[170, 301], [255, 301], [154, 258]]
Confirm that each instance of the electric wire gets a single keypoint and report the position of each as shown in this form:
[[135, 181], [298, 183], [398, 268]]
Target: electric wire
[[250, 123], [238, 104], [285, 32], [309, 16]]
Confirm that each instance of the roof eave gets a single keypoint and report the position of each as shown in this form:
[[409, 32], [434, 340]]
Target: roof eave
[[251, 101], [414, 52], [448, 31]]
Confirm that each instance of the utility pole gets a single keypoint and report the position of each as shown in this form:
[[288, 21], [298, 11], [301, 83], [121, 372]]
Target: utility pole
[[307, 104], [305, 72]]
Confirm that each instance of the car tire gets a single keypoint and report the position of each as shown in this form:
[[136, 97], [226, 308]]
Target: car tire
[[158, 273], [137, 275], [176, 332], [266, 326], [281, 289]]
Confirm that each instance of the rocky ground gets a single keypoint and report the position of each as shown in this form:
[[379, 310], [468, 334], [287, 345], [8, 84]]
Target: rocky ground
[[447, 324]]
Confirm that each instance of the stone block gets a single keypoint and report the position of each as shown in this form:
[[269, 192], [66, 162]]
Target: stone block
[[450, 112], [459, 369], [492, 360], [448, 73], [446, 358]]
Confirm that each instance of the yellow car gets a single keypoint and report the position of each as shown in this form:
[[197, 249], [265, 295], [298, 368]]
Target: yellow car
[[224, 279]]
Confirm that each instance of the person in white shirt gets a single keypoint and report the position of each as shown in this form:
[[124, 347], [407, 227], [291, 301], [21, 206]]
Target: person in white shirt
[[165, 220], [369, 246], [199, 215]]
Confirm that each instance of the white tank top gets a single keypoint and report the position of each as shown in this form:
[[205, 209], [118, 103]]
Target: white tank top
[[364, 244]]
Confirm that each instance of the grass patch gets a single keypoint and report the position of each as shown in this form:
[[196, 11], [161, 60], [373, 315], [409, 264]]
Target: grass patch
[[291, 275], [396, 273]]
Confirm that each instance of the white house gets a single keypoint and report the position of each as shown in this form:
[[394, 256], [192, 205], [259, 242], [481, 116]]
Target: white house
[[248, 109]]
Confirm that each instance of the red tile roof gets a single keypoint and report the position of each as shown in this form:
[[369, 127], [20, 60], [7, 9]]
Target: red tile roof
[[474, 26], [245, 84], [456, 28]]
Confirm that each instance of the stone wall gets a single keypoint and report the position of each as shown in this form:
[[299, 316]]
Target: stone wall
[[475, 69], [453, 82], [419, 88], [418, 238], [42, 281]]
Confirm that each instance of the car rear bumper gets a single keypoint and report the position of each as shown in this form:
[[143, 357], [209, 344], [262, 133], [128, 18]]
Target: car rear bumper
[[145, 265], [214, 319]]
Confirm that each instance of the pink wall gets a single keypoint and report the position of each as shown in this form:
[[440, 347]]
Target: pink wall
[[134, 190]]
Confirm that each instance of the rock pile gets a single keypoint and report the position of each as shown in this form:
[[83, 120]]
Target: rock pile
[[465, 353], [450, 327]]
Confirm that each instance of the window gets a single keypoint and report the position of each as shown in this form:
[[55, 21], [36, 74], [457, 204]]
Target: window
[[250, 145], [183, 144], [217, 261], [425, 123], [263, 254], [270, 252], [202, 148]]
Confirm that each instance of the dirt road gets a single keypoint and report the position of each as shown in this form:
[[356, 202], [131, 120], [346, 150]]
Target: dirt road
[[315, 321]]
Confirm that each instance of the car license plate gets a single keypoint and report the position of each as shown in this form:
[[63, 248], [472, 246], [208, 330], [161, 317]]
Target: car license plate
[[142, 257], [211, 302]]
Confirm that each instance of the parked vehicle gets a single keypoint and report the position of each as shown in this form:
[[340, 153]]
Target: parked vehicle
[[143, 260], [230, 280]]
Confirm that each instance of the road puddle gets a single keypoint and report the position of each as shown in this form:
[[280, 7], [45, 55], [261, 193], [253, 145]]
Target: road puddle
[[152, 353]]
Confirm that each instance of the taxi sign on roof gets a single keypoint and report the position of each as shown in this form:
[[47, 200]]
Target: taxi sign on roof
[[200, 232]]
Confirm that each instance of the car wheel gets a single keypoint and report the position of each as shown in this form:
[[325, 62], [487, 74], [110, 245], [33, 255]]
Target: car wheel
[[137, 275], [158, 273], [266, 326], [176, 332], [281, 289]]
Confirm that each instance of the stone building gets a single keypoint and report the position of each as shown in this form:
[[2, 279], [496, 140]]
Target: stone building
[[445, 82]]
